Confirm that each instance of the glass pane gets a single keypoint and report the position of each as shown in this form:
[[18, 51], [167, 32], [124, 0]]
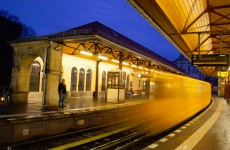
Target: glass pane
[[81, 80], [88, 80], [73, 79], [35, 76]]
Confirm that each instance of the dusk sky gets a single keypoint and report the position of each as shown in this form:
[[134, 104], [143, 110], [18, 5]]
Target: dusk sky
[[52, 16]]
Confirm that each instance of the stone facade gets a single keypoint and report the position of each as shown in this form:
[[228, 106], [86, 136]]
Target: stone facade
[[185, 65], [24, 55]]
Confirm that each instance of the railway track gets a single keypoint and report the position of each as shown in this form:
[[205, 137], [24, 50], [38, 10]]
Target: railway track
[[125, 133], [84, 136]]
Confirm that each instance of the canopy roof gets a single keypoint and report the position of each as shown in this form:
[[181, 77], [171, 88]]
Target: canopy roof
[[99, 39], [195, 27]]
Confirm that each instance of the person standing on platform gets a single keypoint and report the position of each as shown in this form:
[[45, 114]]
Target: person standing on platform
[[62, 93]]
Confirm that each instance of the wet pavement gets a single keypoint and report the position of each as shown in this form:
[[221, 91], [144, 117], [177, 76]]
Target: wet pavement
[[218, 137], [71, 103]]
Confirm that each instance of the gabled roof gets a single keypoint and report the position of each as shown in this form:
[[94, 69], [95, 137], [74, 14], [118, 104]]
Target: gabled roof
[[96, 28]]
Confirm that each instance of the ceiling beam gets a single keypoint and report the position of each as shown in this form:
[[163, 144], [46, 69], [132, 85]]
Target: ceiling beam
[[222, 41], [221, 7], [195, 49], [223, 16], [185, 29]]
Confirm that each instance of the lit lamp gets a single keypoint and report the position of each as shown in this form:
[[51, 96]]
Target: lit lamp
[[102, 57], [86, 53], [134, 65], [114, 60], [125, 63], [58, 48]]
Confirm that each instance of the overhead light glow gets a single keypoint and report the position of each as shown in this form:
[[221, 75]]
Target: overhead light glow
[[102, 57], [114, 60], [86, 53], [134, 65], [140, 67], [125, 63]]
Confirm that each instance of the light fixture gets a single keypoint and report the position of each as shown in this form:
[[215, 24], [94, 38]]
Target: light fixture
[[57, 48], [86, 53], [114, 60], [140, 67], [102, 57], [134, 65], [146, 69], [125, 63]]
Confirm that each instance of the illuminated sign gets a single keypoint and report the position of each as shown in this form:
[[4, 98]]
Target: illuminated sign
[[210, 60], [222, 73]]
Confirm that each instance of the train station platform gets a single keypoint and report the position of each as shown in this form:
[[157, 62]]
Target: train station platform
[[208, 131], [72, 104]]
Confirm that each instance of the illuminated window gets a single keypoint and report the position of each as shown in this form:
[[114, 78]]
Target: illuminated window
[[81, 80], [88, 80], [73, 79], [103, 81], [116, 80], [35, 76]]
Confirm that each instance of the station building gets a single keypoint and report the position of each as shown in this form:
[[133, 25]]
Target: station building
[[95, 61], [185, 65]]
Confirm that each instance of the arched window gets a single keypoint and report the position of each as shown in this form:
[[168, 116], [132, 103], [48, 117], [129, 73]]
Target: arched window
[[35, 76], [88, 80], [73, 83], [81, 80], [103, 81]]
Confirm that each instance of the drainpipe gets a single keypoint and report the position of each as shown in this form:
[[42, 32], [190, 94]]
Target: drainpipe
[[44, 77]]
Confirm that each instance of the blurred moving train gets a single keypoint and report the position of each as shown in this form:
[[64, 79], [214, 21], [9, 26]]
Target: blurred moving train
[[174, 99]]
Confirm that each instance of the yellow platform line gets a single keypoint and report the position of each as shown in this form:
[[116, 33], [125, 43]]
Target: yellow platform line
[[191, 142], [94, 138]]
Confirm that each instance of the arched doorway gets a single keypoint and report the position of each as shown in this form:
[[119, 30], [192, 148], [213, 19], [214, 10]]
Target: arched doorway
[[35, 81], [35, 69]]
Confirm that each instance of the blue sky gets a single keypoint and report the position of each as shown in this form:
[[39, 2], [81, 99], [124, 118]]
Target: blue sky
[[51, 16]]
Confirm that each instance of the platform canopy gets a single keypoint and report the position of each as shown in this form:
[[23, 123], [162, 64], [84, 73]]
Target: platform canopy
[[194, 27], [100, 40]]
